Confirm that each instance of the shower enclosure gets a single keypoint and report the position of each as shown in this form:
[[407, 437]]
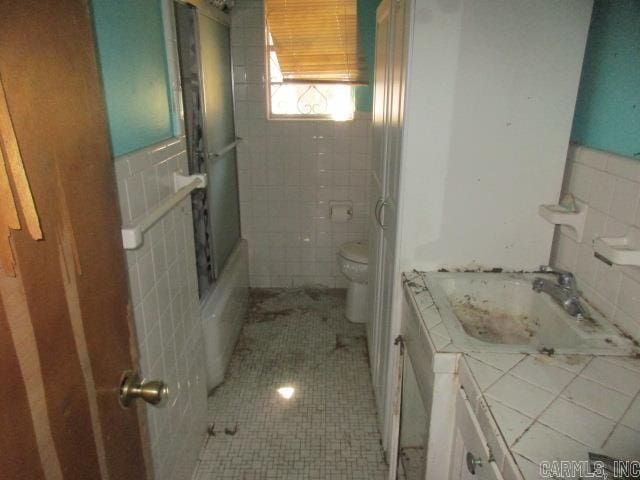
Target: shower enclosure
[[204, 51]]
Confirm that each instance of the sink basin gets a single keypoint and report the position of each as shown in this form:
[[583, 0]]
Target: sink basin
[[501, 312]]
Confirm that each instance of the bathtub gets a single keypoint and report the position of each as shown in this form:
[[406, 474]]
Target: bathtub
[[223, 312]]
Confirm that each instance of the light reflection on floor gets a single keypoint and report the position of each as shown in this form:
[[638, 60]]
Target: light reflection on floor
[[286, 392]]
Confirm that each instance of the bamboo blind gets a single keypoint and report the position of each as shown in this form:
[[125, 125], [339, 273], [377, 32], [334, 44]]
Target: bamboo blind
[[316, 40]]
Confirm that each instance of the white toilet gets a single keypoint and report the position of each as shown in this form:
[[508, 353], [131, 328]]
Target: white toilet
[[353, 260]]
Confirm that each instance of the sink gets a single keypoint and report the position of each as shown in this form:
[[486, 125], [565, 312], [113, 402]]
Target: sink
[[501, 312]]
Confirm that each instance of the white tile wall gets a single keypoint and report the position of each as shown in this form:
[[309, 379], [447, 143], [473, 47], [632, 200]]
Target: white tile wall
[[164, 294], [610, 185], [289, 171]]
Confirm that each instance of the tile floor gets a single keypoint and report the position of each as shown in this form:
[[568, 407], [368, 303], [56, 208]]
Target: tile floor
[[412, 463], [296, 339]]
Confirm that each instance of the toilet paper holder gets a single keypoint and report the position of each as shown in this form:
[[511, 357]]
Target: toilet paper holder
[[340, 211]]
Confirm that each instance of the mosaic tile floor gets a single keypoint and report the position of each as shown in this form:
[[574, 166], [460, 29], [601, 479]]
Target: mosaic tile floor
[[412, 463], [297, 341]]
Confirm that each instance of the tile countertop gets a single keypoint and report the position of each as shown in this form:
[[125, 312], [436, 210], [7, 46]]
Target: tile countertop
[[534, 407]]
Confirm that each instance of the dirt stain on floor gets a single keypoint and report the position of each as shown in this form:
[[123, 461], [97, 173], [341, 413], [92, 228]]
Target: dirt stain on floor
[[269, 304], [344, 342]]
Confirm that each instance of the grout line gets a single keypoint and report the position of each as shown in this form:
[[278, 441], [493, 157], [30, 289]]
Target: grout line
[[570, 400], [536, 419], [607, 359], [619, 422], [525, 356], [503, 372], [533, 420], [607, 386]]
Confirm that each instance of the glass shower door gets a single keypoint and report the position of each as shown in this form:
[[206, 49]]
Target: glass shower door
[[219, 132]]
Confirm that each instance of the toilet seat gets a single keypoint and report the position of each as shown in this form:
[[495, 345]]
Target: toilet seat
[[355, 252]]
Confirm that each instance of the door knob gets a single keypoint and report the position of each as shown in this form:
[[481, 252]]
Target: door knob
[[473, 463], [154, 392]]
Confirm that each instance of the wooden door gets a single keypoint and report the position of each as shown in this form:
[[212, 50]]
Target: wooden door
[[66, 334]]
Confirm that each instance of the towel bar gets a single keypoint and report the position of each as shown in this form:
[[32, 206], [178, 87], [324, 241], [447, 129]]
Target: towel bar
[[183, 185], [225, 149]]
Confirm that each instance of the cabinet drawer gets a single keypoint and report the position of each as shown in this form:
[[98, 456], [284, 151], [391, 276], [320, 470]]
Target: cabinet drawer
[[472, 442]]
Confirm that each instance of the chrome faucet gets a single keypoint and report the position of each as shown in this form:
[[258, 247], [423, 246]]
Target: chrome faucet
[[564, 291]]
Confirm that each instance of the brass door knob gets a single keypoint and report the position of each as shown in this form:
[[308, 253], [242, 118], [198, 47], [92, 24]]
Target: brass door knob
[[154, 392]]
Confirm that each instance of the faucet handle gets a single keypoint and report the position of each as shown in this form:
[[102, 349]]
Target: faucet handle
[[565, 278]]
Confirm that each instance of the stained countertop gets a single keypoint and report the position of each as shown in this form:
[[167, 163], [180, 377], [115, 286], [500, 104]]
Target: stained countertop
[[536, 408]]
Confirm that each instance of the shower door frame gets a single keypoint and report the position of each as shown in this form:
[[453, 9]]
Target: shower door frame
[[213, 13], [217, 16]]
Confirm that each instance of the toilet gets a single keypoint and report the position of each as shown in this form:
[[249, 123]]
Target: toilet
[[353, 260]]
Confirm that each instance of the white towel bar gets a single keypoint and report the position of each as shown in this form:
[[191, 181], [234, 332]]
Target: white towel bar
[[183, 185], [226, 148]]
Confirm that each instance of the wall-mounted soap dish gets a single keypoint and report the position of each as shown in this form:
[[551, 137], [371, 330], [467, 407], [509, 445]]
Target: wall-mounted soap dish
[[566, 213], [617, 250]]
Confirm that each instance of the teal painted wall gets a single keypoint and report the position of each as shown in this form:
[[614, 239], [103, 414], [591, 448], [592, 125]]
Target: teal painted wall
[[608, 108], [367, 37], [133, 65]]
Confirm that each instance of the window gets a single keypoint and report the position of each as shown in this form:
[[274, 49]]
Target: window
[[313, 58]]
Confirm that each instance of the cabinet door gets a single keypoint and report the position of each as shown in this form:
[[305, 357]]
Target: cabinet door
[[471, 455], [387, 211], [394, 122], [380, 113], [381, 89], [387, 131]]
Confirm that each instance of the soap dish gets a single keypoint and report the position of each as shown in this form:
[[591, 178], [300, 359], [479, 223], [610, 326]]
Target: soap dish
[[617, 250], [562, 215]]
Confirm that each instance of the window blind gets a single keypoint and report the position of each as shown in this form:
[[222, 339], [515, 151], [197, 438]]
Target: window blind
[[316, 41]]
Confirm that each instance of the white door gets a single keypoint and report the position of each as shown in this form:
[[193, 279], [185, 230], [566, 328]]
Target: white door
[[380, 114], [388, 120], [388, 210]]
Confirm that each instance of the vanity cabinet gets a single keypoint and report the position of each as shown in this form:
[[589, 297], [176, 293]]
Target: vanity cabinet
[[438, 423], [471, 457], [433, 379]]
